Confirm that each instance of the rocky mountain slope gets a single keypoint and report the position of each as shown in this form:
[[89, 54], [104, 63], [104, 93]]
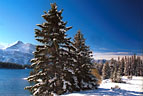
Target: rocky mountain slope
[[18, 52]]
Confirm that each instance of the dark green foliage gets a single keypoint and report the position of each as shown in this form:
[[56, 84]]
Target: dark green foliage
[[84, 65], [8, 65], [112, 67], [127, 66], [54, 61], [133, 66], [106, 71], [116, 75], [122, 66], [99, 67]]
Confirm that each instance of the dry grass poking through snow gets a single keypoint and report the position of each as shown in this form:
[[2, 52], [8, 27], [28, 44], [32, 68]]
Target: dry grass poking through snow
[[97, 75]]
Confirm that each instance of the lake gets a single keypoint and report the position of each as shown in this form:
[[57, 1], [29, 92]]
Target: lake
[[12, 82]]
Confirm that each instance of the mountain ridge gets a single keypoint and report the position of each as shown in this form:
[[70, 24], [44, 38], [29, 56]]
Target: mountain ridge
[[21, 53], [18, 52]]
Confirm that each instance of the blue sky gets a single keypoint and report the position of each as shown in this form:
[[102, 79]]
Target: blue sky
[[107, 25]]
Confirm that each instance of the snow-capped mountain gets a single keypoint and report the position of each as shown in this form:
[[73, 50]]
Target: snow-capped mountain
[[21, 47], [21, 53], [17, 52], [1, 46]]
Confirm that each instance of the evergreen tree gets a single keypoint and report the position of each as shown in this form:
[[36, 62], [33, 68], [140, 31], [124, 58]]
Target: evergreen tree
[[134, 65], [126, 66], [122, 66], [137, 73], [53, 64], [127, 70], [116, 73], [106, 71], [141, 68], [84, 65], [112, 67], [119, 71], [99, 67], [130, 67]]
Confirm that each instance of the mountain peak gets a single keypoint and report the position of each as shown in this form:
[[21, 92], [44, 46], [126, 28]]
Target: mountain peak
[[17, 52], [15, 45], [18, 42], [21, 47]]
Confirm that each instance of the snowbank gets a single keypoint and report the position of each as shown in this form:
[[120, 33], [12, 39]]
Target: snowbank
[[132, 87]]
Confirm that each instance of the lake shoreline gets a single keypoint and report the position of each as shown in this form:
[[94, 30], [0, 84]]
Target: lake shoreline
[[8, 65]]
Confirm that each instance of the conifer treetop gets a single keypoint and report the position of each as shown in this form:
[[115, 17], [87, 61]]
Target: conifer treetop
[[53, 27]]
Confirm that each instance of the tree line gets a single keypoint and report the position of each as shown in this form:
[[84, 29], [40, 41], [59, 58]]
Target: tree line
[[126, 66], [8, 65]]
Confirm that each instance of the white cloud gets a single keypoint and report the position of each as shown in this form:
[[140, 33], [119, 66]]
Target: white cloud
[[109, 55]]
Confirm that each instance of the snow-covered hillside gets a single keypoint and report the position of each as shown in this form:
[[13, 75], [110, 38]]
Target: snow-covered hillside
[[132, 87], [17, 52]]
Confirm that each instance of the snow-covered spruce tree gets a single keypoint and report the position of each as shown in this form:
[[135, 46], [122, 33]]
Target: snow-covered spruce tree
[[99, 67], [114, 73], [139, 67], [122, 66], [117, 72], [106, 71], [126, 66], [133, 65], [53, 64], [112, 67], [130, 66], [84, 65]]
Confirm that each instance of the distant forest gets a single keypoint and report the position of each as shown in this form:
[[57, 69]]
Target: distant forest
[[126, 66], [7, 65]]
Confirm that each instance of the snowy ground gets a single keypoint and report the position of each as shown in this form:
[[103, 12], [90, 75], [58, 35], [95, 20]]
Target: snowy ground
[[132, 87]]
